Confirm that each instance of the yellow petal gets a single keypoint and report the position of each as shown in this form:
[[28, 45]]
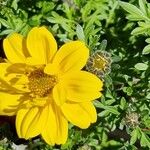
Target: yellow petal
[[12, 82], [9, 96], [18, 68], [3, 73], [62, 126], [51, 69], [37, 124], [20, 83], [56, 129], [82, 86], [49, 132], [19, 118], [14, 48], [72, 56], [59, 94], [78, 115], [9, 103], [33, 61], [41, 45], [28, 122], [90, 109], [39, 101]]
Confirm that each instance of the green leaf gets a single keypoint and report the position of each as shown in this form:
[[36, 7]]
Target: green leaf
[[103, 113], [141, 66], [146, 50], [112, 110], [109, 102], [138, 30], [35, 20], [147, 40], [145, 140], [6, 32], [109, 94], [128, 90], [143, 8], [103, 45], [80, 33], [47, 6], [134, 11], [104, 137], [123, 103], [15, 4], [116, 58], [25, 30], [141, 30], [148, 96], [4, 23], [134, 18], [134, 136]]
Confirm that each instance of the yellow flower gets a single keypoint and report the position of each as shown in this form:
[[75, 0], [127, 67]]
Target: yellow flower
[[46, 88]]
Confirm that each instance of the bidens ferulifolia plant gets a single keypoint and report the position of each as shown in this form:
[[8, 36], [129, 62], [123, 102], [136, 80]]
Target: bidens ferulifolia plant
[[37, 77]]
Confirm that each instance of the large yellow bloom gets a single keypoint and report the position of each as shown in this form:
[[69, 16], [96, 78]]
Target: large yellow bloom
[[46, 88]]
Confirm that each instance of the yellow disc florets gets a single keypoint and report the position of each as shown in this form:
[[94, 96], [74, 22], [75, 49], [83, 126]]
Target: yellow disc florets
[[99, 63], [41, 84]]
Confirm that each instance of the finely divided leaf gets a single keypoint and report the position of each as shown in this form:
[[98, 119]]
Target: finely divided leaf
[[134, 11], [143, 8], [80, 33], [134, 136], [145, 140]]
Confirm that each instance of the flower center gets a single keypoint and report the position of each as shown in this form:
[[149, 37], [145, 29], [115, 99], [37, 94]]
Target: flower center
[[99, 62], [41, 84]]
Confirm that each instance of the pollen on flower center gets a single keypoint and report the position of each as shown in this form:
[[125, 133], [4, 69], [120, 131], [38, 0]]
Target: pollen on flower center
[[41, 84]]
